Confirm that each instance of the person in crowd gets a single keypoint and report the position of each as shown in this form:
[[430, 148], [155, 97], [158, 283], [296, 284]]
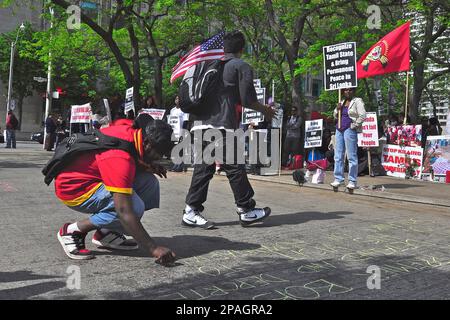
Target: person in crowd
[[293, 135], [236, 88], [12, 124], [116, 190], [353, 115], [434, 127], [50, 129], [179, 122], [60, 129]]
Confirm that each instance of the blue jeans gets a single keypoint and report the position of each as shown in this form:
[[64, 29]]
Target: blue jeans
[[145, 196], [10, 138], [346, 141]]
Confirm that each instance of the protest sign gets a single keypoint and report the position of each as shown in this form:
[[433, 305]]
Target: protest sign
[[81, 113], [397, 160], [340, 66], [313, 133], [129, 103], [369, 135], [156, 114], [251, 116], [257, 83], [405, 135], [436, 162], [108, 110]]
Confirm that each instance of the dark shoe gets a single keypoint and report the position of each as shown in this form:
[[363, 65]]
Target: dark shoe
[[113, 240], [253, 215]]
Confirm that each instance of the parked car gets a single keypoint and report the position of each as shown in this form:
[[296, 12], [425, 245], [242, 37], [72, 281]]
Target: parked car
[[38, 137]]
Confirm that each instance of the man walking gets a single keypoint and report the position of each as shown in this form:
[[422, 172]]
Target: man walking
[[237, 88]]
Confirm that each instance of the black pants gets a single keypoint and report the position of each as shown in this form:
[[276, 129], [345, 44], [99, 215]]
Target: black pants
[[236, 174]]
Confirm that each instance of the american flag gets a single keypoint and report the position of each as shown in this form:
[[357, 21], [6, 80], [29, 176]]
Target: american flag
[[210, 49]]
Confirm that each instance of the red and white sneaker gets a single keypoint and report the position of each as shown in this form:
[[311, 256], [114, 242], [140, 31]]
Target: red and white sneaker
[[73, 244], [114, 240]]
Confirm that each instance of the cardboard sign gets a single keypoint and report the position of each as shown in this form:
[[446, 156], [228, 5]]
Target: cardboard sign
[[339, 61], [396, 160], [313, 133], [251, 116], [369, 135], [81, 114]]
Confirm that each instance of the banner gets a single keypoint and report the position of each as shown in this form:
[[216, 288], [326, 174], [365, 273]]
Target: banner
[[369, 135], [405, 135], [129, 103], [398, 160], [81, 114], [339, 63], [156, 114], [390, 54], [436, 162], [313, 133]]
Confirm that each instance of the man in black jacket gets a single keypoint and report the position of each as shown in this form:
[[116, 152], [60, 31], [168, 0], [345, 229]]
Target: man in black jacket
[[237, 88]]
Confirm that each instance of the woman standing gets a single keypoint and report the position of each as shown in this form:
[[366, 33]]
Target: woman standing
[[353, 115]]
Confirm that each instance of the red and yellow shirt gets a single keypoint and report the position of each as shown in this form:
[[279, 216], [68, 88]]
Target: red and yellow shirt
[[113, 168]]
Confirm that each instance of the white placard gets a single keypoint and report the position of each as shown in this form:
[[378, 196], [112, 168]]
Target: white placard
[[369, 135], [396, 159], [81, 114], [313, 133]]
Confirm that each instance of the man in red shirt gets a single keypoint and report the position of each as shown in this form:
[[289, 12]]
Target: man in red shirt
[[115, 189]]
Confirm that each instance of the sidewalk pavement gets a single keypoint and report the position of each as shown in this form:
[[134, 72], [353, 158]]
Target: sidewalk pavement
[[385, 187]]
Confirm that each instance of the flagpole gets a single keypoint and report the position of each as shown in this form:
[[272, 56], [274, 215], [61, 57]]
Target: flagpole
[[339, 112], [406, 99]]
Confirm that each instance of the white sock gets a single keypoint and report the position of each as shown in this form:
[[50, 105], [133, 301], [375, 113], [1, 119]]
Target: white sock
[[73, 227], [189, 211]]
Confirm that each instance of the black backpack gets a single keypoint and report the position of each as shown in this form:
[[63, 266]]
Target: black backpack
[[199, 82], [299, 176], [78, 143], [14, 123]]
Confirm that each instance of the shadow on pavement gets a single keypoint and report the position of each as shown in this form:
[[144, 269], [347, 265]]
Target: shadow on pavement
[[400, 186], [18, 164], [186, 246], [291, 219], [27, 291]]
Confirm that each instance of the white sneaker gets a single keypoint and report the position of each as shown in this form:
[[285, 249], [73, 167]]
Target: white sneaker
[[253, 216], [351, 185], [193, 218], [336, 183]]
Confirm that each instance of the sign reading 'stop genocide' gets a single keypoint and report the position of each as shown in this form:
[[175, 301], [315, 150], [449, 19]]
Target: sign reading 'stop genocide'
[[340, 66]]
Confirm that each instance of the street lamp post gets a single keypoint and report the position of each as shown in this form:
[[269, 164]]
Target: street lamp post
[[48, 100], [11, 69]]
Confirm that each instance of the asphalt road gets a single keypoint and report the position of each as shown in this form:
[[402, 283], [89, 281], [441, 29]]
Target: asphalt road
[[315, 245]]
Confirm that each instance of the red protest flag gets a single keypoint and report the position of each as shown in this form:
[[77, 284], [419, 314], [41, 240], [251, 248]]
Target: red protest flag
[[390, 54]]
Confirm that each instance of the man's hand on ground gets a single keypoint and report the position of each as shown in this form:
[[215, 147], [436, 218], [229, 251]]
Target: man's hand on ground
[[164, 256]]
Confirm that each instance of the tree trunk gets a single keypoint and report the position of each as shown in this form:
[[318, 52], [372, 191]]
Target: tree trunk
[[417, 91], [158, 87]]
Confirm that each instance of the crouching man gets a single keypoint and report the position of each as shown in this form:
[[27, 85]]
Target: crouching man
[[115, 189]]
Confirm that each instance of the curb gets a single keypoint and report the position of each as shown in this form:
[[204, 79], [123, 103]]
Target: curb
[[364, 193]]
